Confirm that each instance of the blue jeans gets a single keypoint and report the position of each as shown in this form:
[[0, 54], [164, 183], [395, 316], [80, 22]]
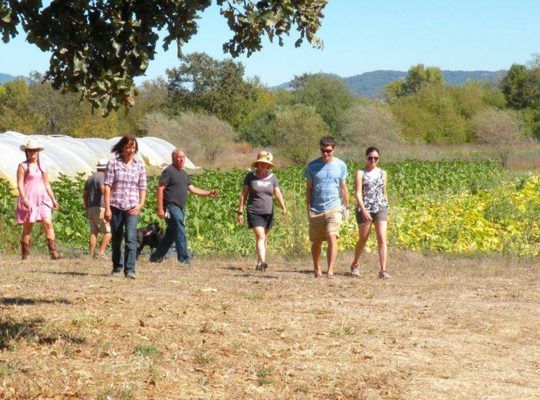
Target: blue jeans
[[175, 232], [124, 226]]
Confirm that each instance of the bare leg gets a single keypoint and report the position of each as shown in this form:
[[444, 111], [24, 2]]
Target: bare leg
[[260, 244], [331, 255], [380, 229], [363, 235], [27, 232], [48, 229], [93, 241], [104, 243], [316, 254]]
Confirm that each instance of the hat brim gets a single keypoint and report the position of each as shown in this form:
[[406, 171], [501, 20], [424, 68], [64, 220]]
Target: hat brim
[[254, 163], [23, 148]]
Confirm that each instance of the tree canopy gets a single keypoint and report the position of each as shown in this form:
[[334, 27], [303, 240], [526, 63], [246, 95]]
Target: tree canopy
[[417, 77], [99, 46]]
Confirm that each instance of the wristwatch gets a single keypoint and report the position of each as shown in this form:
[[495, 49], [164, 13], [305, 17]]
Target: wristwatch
[[239, 212]]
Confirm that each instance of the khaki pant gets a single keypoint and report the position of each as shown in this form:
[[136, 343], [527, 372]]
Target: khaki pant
[[322, 224], [96, 219]]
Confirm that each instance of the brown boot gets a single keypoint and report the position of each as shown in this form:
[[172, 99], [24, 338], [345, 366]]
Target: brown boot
[[55, 255], [25, 250]]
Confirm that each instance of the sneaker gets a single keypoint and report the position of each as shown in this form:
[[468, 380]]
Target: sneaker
[[258, 267], [384, 275], [116, 271], [185, 263], [355, 270], [264, 266], [130, 275]]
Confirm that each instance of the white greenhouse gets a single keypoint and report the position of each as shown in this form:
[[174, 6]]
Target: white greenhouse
[[70, 156]]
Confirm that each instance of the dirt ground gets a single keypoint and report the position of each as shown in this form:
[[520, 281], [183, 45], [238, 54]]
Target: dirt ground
[[441, 328]]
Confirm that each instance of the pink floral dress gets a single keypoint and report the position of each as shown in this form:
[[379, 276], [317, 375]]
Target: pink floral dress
[[38, 199]]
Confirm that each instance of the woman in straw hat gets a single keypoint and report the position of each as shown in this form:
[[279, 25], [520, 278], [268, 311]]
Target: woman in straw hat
[[259, 188], [36, 199]]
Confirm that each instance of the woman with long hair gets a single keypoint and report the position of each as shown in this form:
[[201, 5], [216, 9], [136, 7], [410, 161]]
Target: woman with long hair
[[372, 199], [125, 193], [259, 188], [36, 199]]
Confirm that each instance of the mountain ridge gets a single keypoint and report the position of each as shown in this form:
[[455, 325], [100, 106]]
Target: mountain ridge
[[370, 84]]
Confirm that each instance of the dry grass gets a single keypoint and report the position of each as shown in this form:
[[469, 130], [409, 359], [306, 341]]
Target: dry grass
[[439, 329]]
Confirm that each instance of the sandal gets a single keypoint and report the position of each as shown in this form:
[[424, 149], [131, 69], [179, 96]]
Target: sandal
[[384, 275], [355, 270]]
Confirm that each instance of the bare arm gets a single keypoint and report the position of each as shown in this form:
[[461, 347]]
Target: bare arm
[[280, 200], [385, 180], [344, 192], [309, 190], [159, 196], [241, 202], [20, 185], [201, 192], [358, 194], [49, 190], [107, 195]]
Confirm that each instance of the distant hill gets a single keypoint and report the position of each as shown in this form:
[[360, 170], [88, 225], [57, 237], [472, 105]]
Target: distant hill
[[371, 84], [5, 78]]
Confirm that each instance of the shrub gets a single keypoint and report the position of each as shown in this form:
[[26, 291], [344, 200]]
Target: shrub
[[499, 129], [203, 137], [371, 124], [297, 129]]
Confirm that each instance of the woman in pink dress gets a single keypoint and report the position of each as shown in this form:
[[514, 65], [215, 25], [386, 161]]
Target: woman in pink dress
[[36, 199]]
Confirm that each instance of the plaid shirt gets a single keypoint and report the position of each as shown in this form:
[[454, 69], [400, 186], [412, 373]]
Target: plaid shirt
[[125, 183]]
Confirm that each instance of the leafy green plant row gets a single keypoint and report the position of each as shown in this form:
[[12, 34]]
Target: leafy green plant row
[[415, 188]]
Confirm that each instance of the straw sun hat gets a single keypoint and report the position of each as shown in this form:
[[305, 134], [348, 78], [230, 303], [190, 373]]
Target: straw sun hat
[[102, 163], [264, 157], [31, 145]]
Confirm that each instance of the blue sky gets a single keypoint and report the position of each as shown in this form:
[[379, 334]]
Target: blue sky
[[361, 36]]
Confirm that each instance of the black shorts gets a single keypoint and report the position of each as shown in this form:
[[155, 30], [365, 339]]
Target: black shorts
[[264, 220]]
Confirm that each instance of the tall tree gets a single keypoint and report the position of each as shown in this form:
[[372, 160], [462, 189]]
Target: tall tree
[[99, 46], [521, 86], [329, 96], [417, 77], [216, 87]]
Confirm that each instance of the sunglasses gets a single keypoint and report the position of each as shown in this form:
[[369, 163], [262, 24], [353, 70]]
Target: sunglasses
[[373, 158], [328, 151]]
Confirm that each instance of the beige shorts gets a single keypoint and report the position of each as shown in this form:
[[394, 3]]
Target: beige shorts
[[96, 219], [324, 223]]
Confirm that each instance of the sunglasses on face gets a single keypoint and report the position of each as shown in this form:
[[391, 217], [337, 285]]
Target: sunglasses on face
[[373, 158], [327, 151]]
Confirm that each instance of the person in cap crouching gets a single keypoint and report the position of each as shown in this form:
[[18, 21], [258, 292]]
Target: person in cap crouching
[[259, 188], [36, 199], [94, 203]]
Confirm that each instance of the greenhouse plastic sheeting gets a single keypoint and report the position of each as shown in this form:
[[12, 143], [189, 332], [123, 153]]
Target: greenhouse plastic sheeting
[[70, 156]]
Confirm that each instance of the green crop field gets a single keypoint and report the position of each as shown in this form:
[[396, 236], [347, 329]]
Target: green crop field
[[456, 207]]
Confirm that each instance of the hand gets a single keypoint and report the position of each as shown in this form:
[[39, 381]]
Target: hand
[[213, 193], [345, 213], [240, 218], [366, 215], [284, 211], [135, 210], [56, 206], [161, 214], [108, 215], [25, 203]]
